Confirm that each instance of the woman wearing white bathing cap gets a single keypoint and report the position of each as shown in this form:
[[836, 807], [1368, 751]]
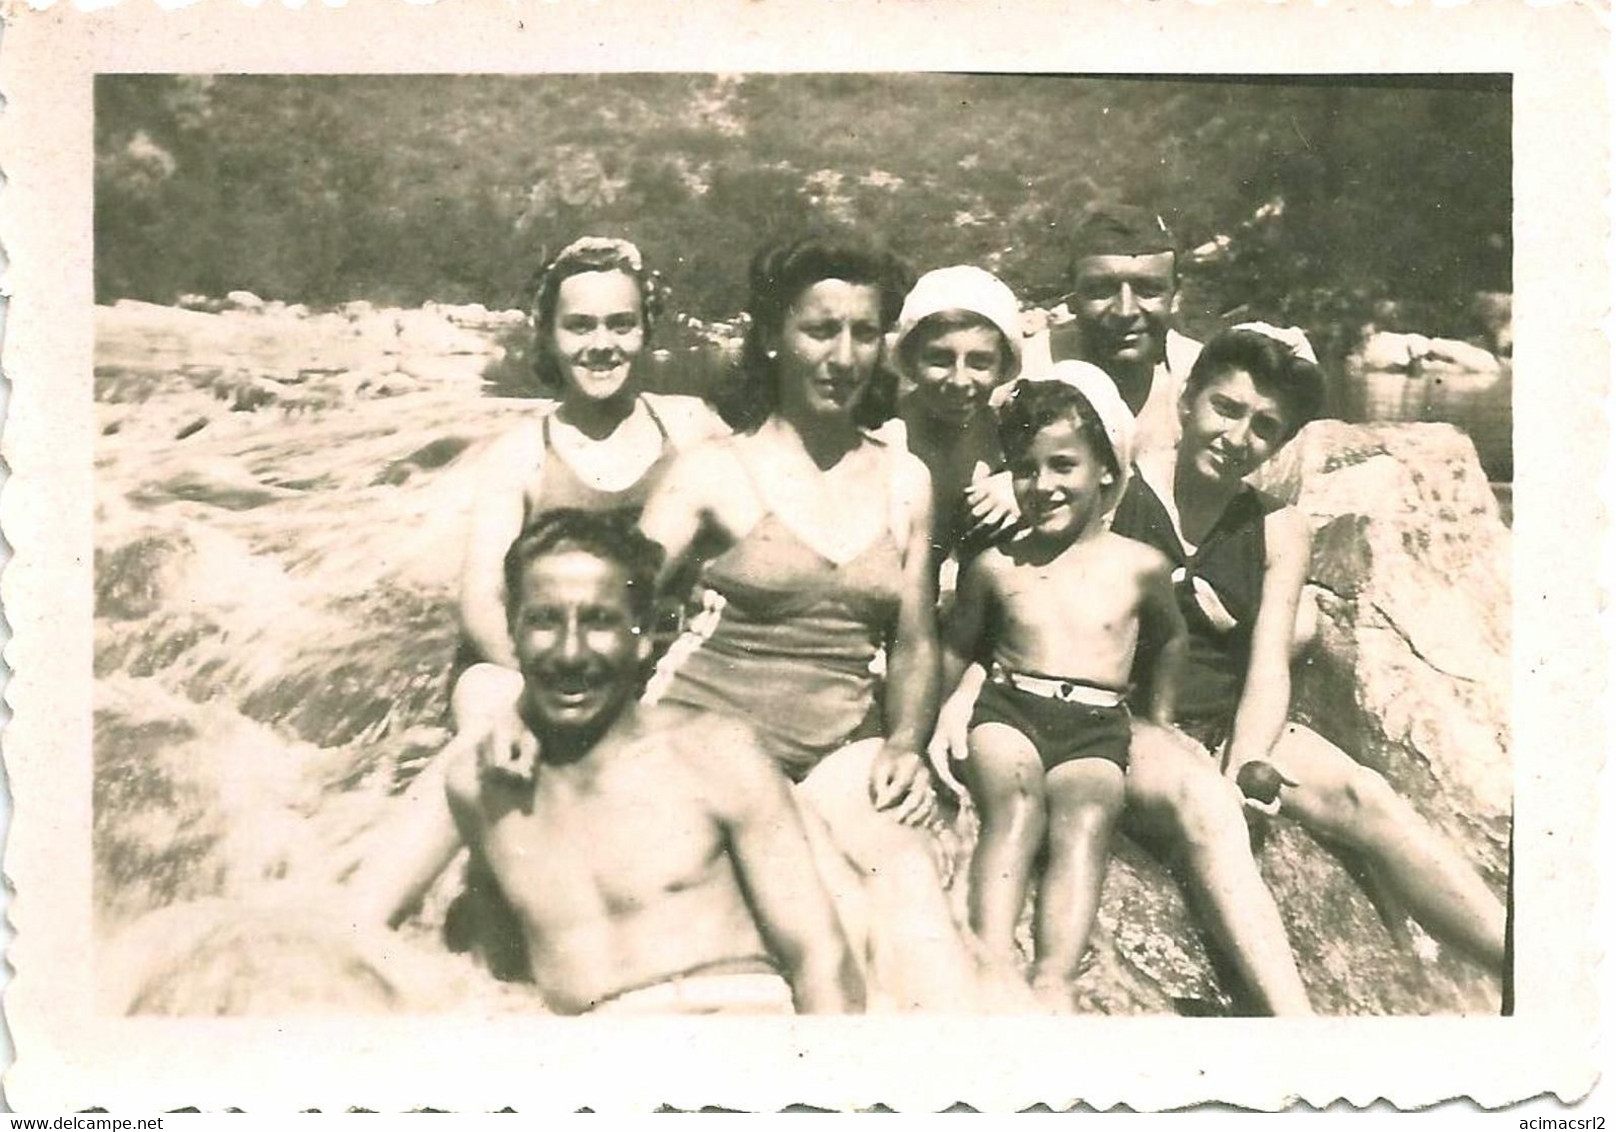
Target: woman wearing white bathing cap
[[958, 339]]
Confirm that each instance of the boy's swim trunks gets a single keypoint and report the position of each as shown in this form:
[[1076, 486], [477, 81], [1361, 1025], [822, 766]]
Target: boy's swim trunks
[[1059, 730]]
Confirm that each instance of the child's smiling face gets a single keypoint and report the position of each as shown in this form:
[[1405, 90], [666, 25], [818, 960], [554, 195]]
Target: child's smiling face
[[955, 370], [1059, 480]]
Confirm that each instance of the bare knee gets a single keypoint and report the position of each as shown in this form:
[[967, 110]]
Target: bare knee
[[1361, 801], [1206, 812], [1077, 826], [881, 848], [1014, 804]]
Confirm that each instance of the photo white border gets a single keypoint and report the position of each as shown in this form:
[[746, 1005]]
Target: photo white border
[[68, 1058]]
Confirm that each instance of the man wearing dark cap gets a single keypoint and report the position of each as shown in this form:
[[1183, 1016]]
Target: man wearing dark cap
[[1124, 280]]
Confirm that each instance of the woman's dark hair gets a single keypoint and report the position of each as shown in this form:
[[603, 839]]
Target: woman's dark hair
[[1035, 405], [610, 536], [589, 253], [1274, 367], [777, 278]]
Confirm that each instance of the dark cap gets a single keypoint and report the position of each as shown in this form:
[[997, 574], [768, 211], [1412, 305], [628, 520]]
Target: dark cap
[[1119, 229]]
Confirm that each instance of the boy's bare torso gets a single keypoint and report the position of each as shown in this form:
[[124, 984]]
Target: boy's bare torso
[[618, 871], [1074, 615]]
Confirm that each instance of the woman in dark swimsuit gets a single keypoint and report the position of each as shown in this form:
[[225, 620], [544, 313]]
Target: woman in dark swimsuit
[[816, 538], [1243, 558]]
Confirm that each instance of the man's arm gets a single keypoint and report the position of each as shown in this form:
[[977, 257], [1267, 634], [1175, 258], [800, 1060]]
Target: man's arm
[[1159, 609], [408, 851], [769, 849], [1265, 701]]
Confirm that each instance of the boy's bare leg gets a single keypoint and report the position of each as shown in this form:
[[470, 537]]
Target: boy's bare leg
[[1084, 799], [1346, 803], [918, 958], [1005, 778], [1176, 791]]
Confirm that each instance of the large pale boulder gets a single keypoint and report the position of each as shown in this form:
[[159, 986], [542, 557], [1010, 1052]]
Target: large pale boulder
[[1411, 564]]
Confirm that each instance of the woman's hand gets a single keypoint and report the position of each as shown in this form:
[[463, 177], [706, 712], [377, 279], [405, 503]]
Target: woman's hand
[[991, 501], [949, 741], [901, 783]]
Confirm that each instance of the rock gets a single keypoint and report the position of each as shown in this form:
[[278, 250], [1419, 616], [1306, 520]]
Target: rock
[[136, 579], [245, 301], [217, 487], [1412, 675], [191, 427]]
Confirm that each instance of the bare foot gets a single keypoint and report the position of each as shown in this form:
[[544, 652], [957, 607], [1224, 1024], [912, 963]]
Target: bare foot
[[1054, 996]]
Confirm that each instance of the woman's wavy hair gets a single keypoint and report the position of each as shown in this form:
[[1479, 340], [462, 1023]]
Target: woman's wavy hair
[[588, 253], [1275, 369], [778, 276]]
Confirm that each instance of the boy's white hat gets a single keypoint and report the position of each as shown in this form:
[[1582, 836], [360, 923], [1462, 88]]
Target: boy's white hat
[[963, 288], [1101, 393]]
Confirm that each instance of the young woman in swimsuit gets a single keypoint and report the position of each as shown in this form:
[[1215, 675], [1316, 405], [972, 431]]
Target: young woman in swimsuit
[[602, 447], [1242, 559], [816, 539]]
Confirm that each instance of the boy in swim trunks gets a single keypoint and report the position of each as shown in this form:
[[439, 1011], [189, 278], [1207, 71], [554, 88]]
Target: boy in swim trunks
[[1059, 609]]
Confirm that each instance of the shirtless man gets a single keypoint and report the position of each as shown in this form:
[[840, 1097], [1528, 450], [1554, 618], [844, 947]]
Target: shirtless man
[[656, 861]]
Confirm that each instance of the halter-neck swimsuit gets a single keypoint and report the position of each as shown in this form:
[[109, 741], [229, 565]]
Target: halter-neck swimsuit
[[787, 639], [560, 486]]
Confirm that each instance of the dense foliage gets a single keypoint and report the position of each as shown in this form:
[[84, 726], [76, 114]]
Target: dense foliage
[[1334, 195]]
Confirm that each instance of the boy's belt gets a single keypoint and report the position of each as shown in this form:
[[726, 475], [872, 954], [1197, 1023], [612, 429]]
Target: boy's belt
[[1067, 691]]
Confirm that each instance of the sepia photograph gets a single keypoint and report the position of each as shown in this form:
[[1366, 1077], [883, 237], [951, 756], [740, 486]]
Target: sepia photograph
[[593, 554], [830, 388]]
